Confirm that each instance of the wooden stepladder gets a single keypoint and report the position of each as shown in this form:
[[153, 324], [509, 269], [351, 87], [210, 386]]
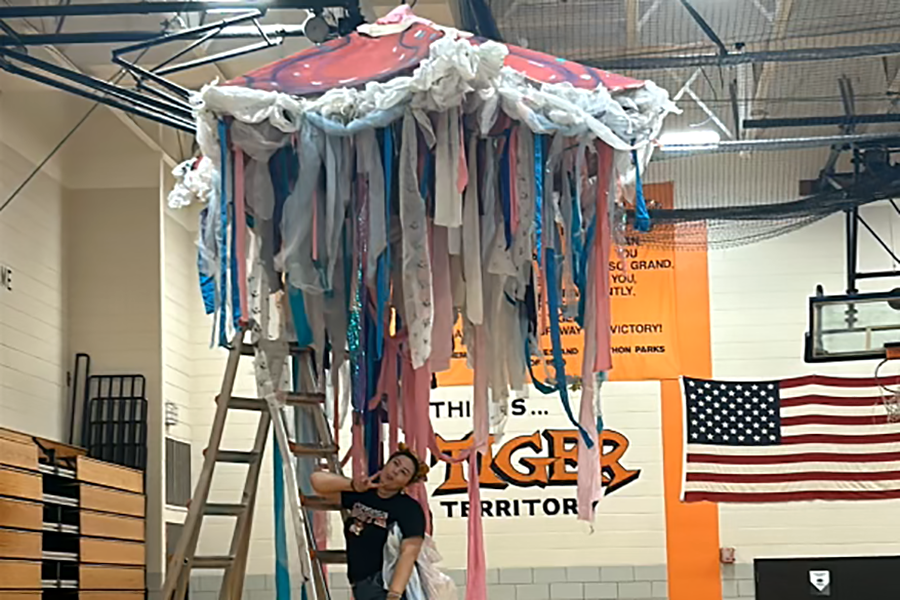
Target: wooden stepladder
[[269, 362]]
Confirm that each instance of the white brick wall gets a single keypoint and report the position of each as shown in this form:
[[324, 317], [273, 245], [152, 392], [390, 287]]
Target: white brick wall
[[181, 305], [759, 312], [33, 352], [114, 297]]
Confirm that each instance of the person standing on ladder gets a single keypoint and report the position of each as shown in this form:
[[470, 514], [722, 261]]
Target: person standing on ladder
[[375, 504]]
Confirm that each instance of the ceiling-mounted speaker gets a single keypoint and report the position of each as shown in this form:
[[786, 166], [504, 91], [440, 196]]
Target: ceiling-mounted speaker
[[316, 29]]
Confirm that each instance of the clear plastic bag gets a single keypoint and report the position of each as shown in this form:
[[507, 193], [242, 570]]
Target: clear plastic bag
[[427, 581]]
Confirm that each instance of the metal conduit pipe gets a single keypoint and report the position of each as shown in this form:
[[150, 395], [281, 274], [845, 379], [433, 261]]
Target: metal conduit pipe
[[687, 150]]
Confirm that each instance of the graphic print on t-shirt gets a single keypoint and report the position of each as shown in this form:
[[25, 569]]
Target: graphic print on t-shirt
[[363, 515]]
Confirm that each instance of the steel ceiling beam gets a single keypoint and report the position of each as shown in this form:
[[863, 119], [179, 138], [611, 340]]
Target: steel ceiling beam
[[741, 58], [149, 8], [767, 73], [132, 37], [840, 120], [61, 59], [670, 152], [704, 26]]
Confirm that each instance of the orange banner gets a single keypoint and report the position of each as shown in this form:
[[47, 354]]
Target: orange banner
[[644, 331]]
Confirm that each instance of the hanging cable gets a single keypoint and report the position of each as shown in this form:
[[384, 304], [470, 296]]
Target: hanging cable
[[116, 79]]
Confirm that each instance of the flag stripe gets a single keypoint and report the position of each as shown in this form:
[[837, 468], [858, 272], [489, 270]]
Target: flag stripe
[[820, 419], [815, 438], [839, 382], [766, 459], [783, 450], [794, 486], [791, 477], [808, 467], [821, 400], [826, 429], [704, 496]]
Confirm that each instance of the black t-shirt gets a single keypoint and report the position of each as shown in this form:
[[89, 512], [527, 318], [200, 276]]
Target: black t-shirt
[[366, 529]]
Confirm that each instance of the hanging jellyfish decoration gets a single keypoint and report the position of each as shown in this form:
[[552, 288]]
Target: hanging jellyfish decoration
[[402, 176]]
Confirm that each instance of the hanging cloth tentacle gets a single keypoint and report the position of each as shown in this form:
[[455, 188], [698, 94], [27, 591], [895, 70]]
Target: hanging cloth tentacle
[[505, 187], [590, 480], [240, 245], [539, 146], [602, 246], [641, 215], [555, 337], [222, 301], [384, 261]]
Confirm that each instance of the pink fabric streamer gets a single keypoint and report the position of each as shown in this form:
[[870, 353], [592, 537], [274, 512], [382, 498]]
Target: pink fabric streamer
[[602, 335], [590, 480], [389, 388], [513, 183], [442, 329], [419, 435], [476, 587], [240, 241]]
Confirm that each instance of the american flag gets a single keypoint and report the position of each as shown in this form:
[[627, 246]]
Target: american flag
[[808, 438]]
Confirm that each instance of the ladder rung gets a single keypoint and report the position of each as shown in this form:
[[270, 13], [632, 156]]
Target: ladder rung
[[318, 503], [250, 350], [224, 510], [212, 562], [291, 399], [236, 456], [298, 398], [329, 557], [312, 450], [238, 403]]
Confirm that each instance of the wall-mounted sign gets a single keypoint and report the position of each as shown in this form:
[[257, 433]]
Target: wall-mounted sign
[[820, 582], [6, 278], [547, 458]]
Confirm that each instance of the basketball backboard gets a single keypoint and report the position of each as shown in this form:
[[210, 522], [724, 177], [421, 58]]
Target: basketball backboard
[[857, 327]]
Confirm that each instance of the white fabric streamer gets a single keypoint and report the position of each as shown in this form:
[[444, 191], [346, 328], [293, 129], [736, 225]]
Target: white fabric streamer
[[417, 289]]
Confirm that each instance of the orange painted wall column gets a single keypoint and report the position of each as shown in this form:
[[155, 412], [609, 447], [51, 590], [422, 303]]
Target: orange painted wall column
[[692, 530]]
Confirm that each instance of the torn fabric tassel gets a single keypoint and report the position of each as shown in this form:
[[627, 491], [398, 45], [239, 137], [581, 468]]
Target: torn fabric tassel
[[589, 485], [447, 198], [641, 214], [602, 245], [472, 242], [476, 589], [417, 282]]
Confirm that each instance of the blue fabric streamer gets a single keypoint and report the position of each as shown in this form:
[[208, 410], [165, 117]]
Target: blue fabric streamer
[[284, 170], [588, 242], [223, 240], [542, 387], [505, 192], [373, 416], [538, 192], [558, 362], [427, 168], [207, 281], [282, 566], [298, 314], [641, 215], [384, 261], [577, 235]]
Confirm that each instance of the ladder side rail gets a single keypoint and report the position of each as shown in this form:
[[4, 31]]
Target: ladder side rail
[[240, 541], [178, 573]]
